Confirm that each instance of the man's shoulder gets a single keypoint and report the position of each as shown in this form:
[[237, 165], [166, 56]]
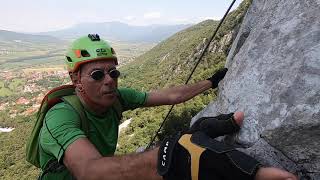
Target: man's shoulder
[[61, 112], [126, 90], [62, 106], [60, 116], [131, 98]]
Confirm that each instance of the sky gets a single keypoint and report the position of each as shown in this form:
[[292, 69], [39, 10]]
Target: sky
[[48, 15]]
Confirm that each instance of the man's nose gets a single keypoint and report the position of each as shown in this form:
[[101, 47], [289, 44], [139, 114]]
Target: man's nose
[[107, 79]]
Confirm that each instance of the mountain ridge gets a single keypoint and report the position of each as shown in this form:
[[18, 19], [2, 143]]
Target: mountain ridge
[[115, 30], [24, 37]]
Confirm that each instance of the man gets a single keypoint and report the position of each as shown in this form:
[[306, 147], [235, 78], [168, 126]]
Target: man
[[92, 64]]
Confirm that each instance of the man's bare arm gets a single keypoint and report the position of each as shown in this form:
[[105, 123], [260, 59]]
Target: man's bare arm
[[85, 162], [177, 94], [183, 93]]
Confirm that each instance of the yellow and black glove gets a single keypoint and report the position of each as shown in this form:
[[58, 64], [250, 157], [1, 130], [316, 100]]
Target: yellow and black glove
[[195, 155]]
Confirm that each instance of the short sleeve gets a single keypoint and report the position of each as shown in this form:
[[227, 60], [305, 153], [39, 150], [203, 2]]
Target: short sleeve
[[61, 127], [131, 98]]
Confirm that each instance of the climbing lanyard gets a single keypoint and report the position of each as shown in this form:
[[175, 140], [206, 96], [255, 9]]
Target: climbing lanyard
[[194, 68]]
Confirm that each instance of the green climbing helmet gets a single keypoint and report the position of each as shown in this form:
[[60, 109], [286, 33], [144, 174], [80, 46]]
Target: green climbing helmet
[[86, 49]]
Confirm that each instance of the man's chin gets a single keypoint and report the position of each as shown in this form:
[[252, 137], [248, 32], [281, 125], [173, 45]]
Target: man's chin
[[108, 99]]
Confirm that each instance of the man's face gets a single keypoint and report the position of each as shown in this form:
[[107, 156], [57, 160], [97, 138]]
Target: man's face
[[102, 91]]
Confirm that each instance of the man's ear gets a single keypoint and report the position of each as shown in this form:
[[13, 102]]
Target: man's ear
[[79, 87], [76, 81], [74, 77]]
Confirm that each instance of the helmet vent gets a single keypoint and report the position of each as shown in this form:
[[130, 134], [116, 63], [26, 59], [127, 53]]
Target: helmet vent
[[69, 59], [84, 53]]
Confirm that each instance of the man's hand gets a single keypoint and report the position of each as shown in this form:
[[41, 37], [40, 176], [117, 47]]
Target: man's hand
[[196, 155], [220, 125], [269, 173], [217, 77]]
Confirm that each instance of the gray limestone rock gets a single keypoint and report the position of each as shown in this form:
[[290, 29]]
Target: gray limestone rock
[[274, 77]]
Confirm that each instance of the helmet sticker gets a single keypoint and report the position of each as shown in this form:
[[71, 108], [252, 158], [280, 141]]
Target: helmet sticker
[[101, 52], [77, 53]]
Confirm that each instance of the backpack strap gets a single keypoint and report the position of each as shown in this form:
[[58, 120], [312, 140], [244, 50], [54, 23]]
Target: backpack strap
[[75, 103]]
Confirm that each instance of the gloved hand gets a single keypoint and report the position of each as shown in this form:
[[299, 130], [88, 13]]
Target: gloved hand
[[196, 155], [220, 125], [217, 77]]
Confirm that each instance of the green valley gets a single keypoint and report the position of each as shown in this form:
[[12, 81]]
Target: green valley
[[29, 70]]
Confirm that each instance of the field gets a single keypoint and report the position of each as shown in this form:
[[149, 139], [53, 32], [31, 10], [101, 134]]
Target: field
[[18, 55]]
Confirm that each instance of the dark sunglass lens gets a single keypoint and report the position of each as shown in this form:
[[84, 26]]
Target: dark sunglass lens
[[97, 75], [114, 73]]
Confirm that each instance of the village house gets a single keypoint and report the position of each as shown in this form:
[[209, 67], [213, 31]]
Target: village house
[[3, 106], [22, 101]]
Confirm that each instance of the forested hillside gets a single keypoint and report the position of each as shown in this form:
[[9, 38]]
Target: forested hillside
[[170, 63], [166, 64]]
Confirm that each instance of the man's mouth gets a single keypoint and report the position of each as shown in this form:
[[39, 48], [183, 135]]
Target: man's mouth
[[109, 92]]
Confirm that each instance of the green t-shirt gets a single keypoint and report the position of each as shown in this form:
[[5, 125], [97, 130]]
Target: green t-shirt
[[64, 123]]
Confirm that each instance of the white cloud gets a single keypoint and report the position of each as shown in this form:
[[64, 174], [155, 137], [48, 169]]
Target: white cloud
[[180, 20], [152, 15], [129, 18]]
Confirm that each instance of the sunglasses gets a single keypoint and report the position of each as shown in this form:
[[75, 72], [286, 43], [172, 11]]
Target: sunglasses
[[100, 74]]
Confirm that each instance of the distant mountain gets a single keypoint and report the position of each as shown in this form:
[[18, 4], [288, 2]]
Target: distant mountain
[[171, 60], [14, 37], [120, 31]]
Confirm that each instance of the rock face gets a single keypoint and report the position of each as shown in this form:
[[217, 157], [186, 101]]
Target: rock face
[[274, 77]]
